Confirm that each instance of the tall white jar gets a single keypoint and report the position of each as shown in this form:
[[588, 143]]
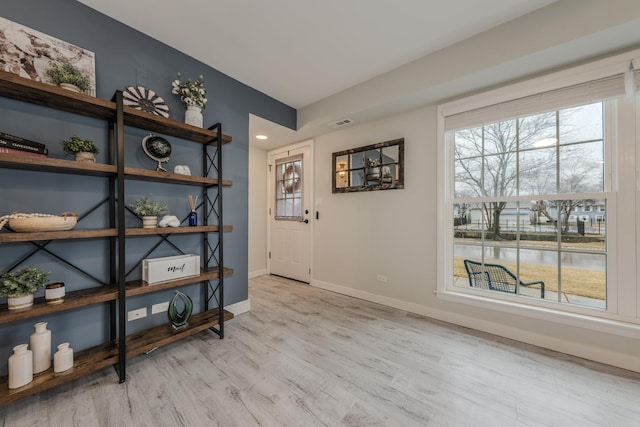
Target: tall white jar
[[20, 366], [40, 342]]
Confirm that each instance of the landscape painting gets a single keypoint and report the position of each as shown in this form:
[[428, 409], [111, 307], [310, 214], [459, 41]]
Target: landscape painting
[[27, 52]]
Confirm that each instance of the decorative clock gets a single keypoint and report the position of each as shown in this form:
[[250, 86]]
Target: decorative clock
[[144, 99]]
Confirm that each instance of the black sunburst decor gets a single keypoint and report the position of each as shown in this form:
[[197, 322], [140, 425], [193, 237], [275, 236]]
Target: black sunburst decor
[[144, 99]]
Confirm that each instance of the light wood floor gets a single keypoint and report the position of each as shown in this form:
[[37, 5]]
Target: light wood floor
[[308, 357]]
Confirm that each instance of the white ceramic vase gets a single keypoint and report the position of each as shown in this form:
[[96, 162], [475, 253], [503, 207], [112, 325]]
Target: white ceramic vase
[[193, 116], [63, 359], [40, 342], [21, 301], [20, 366], [149, 221]]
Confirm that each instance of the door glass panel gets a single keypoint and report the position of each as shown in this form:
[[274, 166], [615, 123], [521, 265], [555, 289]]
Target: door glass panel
[[289, 189]]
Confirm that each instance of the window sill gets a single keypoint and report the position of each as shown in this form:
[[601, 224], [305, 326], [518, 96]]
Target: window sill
[[627, 329]]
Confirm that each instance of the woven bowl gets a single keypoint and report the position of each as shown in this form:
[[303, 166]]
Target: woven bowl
[[48, 223]]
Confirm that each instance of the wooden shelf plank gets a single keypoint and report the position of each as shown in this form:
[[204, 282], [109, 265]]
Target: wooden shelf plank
[[72, 300], [46, 164], [175, 230], [153, 123], [138, 287], [174, 178], [26, 90], [146, 340], [7, 237], [22, 89], [84, 362]]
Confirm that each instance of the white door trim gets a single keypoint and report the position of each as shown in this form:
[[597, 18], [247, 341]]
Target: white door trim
[[310, 167]]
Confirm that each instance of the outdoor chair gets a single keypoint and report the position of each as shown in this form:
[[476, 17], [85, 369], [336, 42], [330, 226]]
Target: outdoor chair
[[496, 277]]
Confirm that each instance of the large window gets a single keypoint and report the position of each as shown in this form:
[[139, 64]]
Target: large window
[[537, 202], [516, 185]]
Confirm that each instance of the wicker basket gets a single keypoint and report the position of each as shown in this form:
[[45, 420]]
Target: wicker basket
[[48, 223]]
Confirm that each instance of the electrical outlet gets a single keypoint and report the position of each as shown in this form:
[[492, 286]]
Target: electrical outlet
[[137, 314], [382, 278], [163, 307]]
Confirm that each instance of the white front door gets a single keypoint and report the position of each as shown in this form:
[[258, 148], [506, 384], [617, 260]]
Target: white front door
[[290, 213]]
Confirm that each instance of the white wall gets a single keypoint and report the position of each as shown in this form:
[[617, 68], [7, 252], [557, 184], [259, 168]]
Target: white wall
[[361, 235], [257, 212]]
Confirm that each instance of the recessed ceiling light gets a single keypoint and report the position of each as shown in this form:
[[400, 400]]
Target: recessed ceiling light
[[262, 137]]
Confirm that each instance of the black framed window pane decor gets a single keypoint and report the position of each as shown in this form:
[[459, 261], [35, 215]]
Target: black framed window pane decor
[[373, 167]]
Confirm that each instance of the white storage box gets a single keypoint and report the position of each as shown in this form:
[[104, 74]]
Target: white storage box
[[170, 268]]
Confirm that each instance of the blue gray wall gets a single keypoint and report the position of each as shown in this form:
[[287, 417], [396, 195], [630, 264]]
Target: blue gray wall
[[124, 57]]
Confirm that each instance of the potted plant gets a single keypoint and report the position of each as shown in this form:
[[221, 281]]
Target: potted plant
[[149, 210], [20, 285], [193, 96], [68, 76], [83, 149]]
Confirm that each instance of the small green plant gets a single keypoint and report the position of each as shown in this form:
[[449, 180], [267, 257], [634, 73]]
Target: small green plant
[[66, 72], [75, 145], [22, 282], [146, 206]]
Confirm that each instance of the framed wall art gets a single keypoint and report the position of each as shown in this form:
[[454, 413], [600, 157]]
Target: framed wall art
[[372, 167], [28, 53]]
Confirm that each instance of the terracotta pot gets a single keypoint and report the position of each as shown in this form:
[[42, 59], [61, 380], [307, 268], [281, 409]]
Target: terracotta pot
[[16, 302]]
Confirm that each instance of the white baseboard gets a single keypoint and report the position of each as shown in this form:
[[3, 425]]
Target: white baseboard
[[239, 307], [257, 273], [597, 354]]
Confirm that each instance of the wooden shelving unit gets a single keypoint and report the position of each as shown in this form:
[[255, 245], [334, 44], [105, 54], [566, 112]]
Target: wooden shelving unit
[[138, 287], [45, 164], [72, 300], [115, 294], [57, 235], [175, 230], [171, 178], [146, 340]]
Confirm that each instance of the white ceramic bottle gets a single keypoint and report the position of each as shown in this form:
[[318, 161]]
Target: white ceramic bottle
[[63, 359], [40, 342], [20, 366]]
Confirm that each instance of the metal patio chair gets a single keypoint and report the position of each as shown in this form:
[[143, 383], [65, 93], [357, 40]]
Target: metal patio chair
[[495, 277]]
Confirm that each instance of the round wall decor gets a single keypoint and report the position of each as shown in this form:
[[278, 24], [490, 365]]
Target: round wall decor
[[144, 99], [292, 178]]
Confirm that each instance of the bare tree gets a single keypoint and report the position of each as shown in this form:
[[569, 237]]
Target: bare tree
[[578, 174], [487, 163]]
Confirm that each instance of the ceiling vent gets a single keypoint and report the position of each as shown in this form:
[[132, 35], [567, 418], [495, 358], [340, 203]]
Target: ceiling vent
[[341, 122]]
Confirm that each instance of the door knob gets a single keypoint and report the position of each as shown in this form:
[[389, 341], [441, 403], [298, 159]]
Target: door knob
[[306, 221]]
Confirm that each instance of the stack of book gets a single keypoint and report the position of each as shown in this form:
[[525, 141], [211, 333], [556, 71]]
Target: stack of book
[[11, 144]]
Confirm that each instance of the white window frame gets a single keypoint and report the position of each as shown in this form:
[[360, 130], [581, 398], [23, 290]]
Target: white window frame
[[623, 298]]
